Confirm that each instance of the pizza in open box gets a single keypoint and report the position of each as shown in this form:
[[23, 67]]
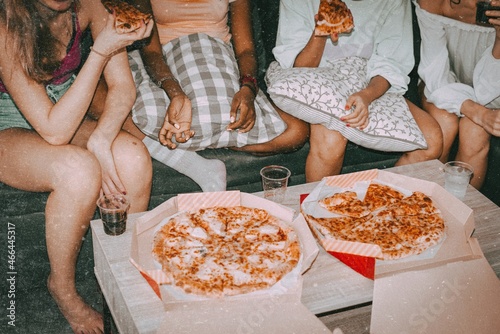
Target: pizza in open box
[[400, 225], [225, 251]]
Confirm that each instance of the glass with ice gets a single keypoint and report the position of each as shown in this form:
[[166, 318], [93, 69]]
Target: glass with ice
[[457, 178]]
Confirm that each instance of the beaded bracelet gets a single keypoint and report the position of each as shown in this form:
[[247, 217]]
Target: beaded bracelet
[[99, 53], [249, 81]]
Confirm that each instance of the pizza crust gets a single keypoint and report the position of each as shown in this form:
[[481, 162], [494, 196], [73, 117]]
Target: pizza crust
[[225, 251]]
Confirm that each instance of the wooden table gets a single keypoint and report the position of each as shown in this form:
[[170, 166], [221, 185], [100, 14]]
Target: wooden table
[[331, 290]]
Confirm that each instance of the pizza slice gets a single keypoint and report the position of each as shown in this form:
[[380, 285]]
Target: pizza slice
[[333, 17], [127, 17], [416, 203], [379, 195], [345, 203]]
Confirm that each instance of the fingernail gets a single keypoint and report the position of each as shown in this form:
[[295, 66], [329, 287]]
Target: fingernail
[[177, 126], [348, 125], [232, 119]]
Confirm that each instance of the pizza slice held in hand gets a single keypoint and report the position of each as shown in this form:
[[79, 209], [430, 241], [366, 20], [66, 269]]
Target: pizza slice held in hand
[[127, 17], [334, 17]]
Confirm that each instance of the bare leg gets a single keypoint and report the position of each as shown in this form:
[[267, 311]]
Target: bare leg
[[432, 134], [72, 176], [473, 148], [294, 137], [132, 161], [449, 127], [326, 154]]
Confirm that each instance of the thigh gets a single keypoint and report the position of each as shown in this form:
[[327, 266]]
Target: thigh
[[30, 163]]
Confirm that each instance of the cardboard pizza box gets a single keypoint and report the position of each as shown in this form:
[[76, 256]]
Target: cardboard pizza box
[[147, 225], [457, 297], [277, 314], [364, 258]]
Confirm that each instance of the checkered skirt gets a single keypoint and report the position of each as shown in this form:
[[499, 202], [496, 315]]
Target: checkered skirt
[[207, 71]]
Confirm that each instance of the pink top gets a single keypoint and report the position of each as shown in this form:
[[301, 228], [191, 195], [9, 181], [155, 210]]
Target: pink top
[[176, 18], [70, 62]]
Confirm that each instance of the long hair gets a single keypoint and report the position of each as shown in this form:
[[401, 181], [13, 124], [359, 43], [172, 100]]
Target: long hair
[[30, 37]]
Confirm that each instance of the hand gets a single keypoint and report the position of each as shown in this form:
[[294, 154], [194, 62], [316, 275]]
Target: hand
[[358, 105], [243, 102], [177, 123], [111, 183], [110, 41], [333, 36], [488, 119]]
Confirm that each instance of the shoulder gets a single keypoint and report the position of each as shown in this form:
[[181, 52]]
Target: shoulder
[[91, 12]]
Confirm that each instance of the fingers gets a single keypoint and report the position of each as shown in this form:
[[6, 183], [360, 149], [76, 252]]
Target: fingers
[[358, 118]]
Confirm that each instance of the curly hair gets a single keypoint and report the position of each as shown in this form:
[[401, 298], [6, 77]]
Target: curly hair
[[30, 37]]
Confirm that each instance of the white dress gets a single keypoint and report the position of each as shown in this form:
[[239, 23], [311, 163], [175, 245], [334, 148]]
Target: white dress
[[456, 62]]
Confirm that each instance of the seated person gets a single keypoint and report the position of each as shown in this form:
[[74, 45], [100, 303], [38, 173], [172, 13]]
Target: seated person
[[196, 89], [459, 68], [381, 45], [46, 142]]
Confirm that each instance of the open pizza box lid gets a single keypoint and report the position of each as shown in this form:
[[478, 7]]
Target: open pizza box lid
[[147, 225], [364, 257], [457, 297], [275, 314]]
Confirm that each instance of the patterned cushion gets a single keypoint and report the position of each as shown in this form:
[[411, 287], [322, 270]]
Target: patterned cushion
[[318, 96]]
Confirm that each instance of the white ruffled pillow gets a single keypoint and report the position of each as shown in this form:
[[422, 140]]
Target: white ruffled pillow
[[318, 96]]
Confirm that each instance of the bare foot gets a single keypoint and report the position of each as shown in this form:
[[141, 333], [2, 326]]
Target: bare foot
[[82, 318]]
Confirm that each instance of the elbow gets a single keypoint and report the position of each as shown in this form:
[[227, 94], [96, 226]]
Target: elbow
[[57, 139]]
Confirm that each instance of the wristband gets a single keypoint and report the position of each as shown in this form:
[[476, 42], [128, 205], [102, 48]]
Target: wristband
[[99, 53]]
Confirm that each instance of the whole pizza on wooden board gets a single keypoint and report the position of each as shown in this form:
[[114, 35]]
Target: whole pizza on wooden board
[[334, 17], [400, 225], [127, 17], [225, 251]]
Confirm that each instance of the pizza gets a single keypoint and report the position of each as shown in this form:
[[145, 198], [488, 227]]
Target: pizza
[[225, 251], [127, 17], [400, 225], [379, 195], [334, 17]]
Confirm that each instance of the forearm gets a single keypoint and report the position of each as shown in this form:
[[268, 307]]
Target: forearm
[[312, 53], [66, 115], [377, 87]]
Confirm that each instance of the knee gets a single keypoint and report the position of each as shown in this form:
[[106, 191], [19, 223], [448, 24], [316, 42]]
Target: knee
[[132, 159], [298, 133], [76, 170], [434, 146]]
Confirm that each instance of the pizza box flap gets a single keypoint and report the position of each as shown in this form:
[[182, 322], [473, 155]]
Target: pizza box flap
[[458, 297], [459, 220], [147, 224], [272, 314]]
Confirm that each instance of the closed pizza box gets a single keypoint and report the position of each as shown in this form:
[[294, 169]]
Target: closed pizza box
[[149, 223], [457, 297], [458, 217]]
